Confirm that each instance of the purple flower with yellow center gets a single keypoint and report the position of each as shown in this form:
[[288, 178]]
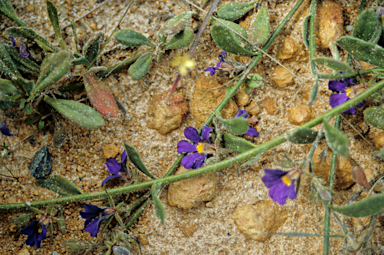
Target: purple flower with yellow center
[[4, 130], [221, 65], [93, 216], [23, 52], [36, 231], [251, 130], [345, 91], [117, 169], [201, 147], [281, 184]]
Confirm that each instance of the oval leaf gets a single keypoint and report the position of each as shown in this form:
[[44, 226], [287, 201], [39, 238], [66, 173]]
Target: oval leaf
[[134, 157], [140, 68], [99, 95], [237, 126], [176, 24], [362, 50], [91, 47], [79, 113], [367, 25], [41, 164], [229, 41], [336, 140], [180, 40], [131, 38], [237, 144], [59, 185], [119, 250], [260, 29], [366, 207], [302, 136], [234, 11], [54, 18], [53, 69], [159, 207], [333, 64], [7, 88], [375, 116]]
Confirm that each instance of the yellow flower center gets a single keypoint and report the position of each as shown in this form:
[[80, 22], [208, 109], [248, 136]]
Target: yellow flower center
[[40, 230], [200, 148], [286, 181], [348, 91]]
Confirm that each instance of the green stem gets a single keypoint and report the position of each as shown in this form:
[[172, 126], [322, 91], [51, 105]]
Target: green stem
[[207, 169], [312, 46], [327, 221], [346, 75]]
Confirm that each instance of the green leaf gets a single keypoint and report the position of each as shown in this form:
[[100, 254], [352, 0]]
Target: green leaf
[[81, 61], [8, 88], [7, 66], [180, 40], [79, 113], [28, 109], [25, 84], [53, 69], [228, 89], [54, 18], [176, 24], [32, 119], [314, 91], [7, 10], [32, 36], [42, 162], [234, 11], [91, 47], [362, 50], [382, 153], [366, 207], [237, 126], [131, 38], [23, 64], [255, 81], [367, 25], [159, 207], [333, 64], [140, 68], [260, 29], [59, 185], [375, 116], [301, 136], [228, 40], [336, 140], [237, 144], [305, 31], [134, 157], [8, 104]]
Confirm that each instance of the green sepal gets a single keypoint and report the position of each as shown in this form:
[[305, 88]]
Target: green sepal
[[159, 207], [237, 144], [305, 31], [180, 40], [7, 10], [53, 69], [79, 113], [333, 64], [259, 31], [336, 140], [226, 39], [91, 47], [301, 136], [32, 36], [237, 126], [368, 26], [234, 11], [176, 24], [362, 50], [132, 38], [140, 68], [54, 18], [59, 185], [23, 64], [366, 207], [375, 116], [134, 157]]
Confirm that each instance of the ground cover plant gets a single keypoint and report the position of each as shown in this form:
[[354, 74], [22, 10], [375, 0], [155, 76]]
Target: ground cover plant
[[62, 85]]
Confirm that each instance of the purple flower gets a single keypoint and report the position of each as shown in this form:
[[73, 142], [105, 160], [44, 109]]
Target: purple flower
[[346, 91], [4, 130], [23, 52], [117, 170], [93, 218], [212, 69], [251, 130], [36, 233], [201, 147], [281, 184]]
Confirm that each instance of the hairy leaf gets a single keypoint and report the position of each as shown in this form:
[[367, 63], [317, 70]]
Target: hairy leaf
[[336, 140], [302, 136], [333, 64], [234, 11], [140, 68], [237, 144], [159, 207], [180, 40], [59, 185], [134, 157], [260, 29], [366, 207], [375, 116]]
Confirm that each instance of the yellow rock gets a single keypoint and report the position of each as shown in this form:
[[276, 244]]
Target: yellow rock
[[288, 49], [379, 141], [301, 114], [281, 78], [269, 104], [110, 151], [242, 98], [253, 109]]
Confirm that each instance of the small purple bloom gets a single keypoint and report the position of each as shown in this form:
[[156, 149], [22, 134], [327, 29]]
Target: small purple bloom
[[281, 184], [117, 169], [345, 90], [93, 219], [36, 233], [251, 130], [23, 52], [201, 147], [4, 130], [212, 69]]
